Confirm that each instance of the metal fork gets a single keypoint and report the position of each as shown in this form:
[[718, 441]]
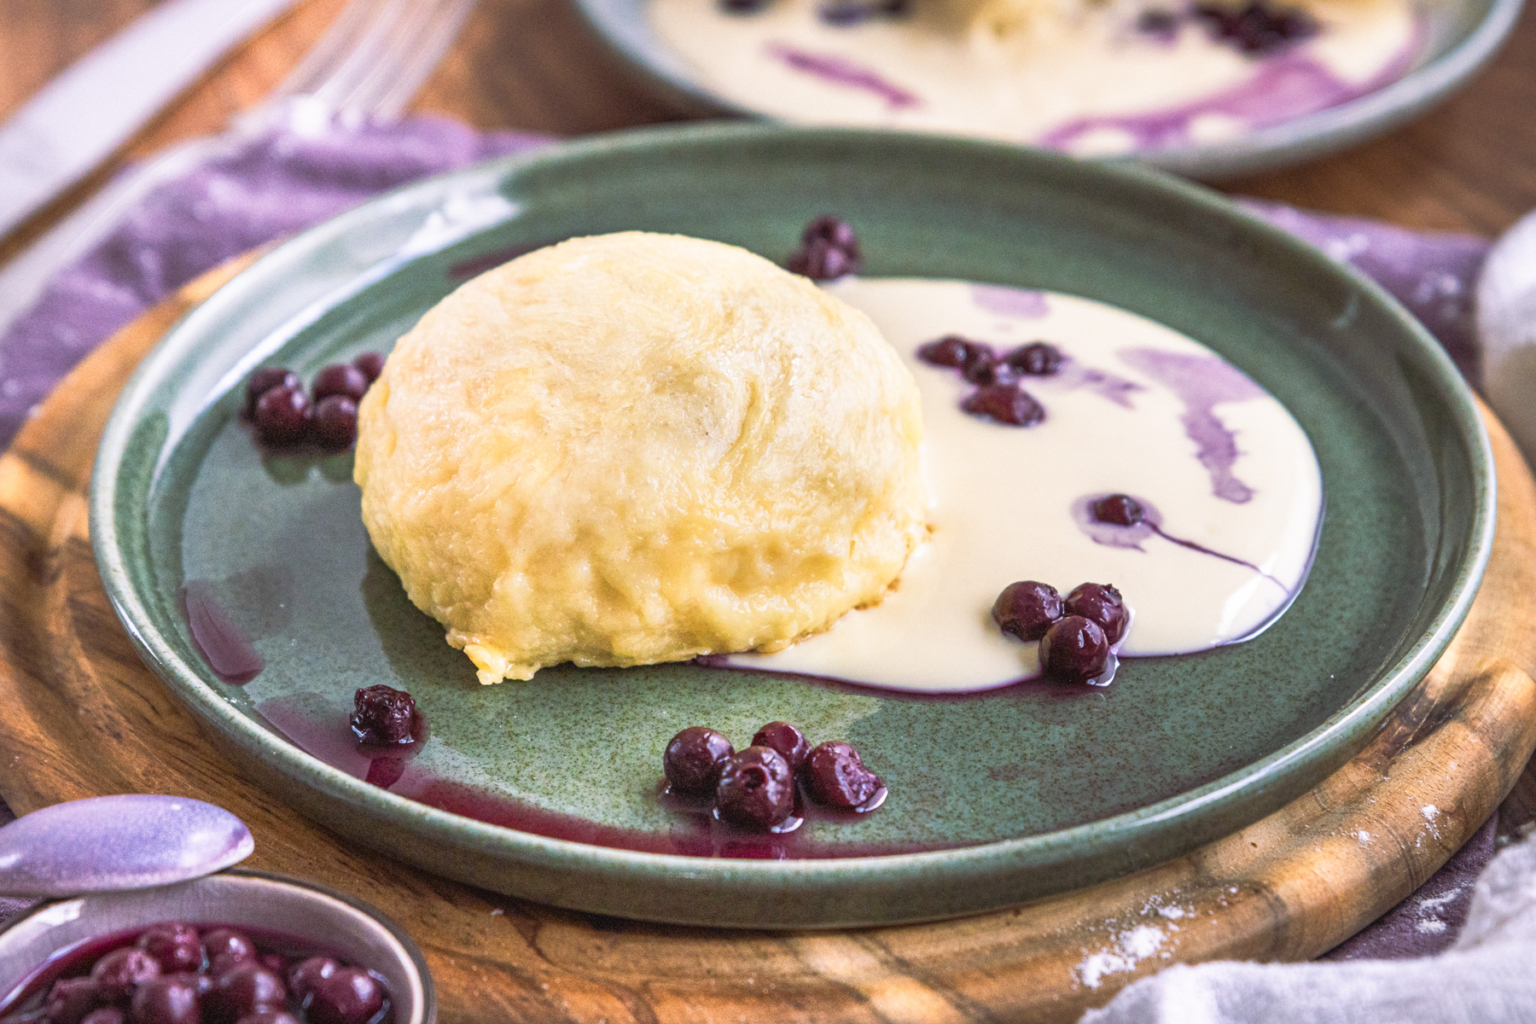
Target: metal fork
[[367, 66]]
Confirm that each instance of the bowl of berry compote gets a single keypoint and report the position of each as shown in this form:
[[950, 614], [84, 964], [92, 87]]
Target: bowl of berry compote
[[239, 947]]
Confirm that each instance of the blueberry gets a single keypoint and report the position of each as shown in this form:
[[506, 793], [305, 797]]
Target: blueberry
[[835, 775], [1004, 403], [202, 983], [371, 364], [175, 945], [171, 1000], [1102, 604], [844, 12], [694, 759], [988, 369], [246, 989], [828, 250], [956, 352], [1256, 28], [833, 230], [282, 416], [756, 789], [1160, 24], [340, 379], [70, 1000], [786, 739], [109, 1015], [349, 996], [265, 379], [117, 973], [1119, 509], [1027, 608], [303, 977], [334, 427], [1037, 359], [225, 947], [854, 12], [1074, 650], [821, 261], [384, 716], [268, 1016]]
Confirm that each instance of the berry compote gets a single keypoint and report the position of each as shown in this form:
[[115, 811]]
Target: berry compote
[[1102, 603], [835, 775], [282, 416], [1004, 403], [287, 418], [342, 379], [1256, 28], [956, 352], [998, 396], [1074, 650], [828, 250], [384, 716], [1026, 609], [180, 973], [1037, 359], [853, 12], [371, 364], [334, 426], [756, 789], [1119, 510], [265, 379], [786, 739], [694, 759], [761, 788]]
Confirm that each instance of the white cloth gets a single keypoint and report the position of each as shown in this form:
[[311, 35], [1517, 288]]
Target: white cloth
[[1487, 977], [1506, 331]]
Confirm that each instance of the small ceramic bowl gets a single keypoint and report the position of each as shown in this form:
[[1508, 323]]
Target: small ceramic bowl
[[338, 924]]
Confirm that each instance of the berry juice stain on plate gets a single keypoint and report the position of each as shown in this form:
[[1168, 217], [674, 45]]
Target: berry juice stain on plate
[[1086, 78], [1226, 484]]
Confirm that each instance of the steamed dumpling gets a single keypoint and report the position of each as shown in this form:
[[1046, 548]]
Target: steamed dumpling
[[639, 448]]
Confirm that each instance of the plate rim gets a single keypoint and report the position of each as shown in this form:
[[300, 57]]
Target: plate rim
[[1269, 148], [1355, 717]]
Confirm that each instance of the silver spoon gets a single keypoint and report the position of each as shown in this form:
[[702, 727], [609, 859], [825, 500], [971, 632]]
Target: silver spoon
[[108, 843]]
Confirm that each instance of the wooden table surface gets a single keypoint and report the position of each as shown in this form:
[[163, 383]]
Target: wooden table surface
[[1470, 165]]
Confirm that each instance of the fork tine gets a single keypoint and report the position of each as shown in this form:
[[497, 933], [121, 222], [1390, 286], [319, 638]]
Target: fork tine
[[378, 55], [387, 91], [332, 51]]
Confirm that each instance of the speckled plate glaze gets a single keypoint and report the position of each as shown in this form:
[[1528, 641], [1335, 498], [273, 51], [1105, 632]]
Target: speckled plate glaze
[[1459, 37], [994, 798]]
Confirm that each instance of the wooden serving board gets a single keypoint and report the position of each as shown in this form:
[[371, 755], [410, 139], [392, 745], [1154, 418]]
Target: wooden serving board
[[81, 716]]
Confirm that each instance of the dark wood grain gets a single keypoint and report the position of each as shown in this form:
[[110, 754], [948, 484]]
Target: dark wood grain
[[81, 716]]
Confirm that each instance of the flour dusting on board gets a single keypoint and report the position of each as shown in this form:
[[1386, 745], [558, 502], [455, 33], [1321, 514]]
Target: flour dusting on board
[[1131, 947]]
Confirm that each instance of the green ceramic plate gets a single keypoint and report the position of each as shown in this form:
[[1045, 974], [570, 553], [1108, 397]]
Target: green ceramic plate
[[1459, 38], [995, 798]]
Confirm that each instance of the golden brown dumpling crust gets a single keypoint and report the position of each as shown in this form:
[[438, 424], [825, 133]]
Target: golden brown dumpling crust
[[638, 448]]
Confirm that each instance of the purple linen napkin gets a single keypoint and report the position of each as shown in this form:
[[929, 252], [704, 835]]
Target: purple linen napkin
[[275, 185], [1433, 274], [281, 182]]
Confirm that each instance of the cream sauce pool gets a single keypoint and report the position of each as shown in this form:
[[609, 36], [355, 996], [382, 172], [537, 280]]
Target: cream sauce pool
[[1229, 479], [1084, 80]]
